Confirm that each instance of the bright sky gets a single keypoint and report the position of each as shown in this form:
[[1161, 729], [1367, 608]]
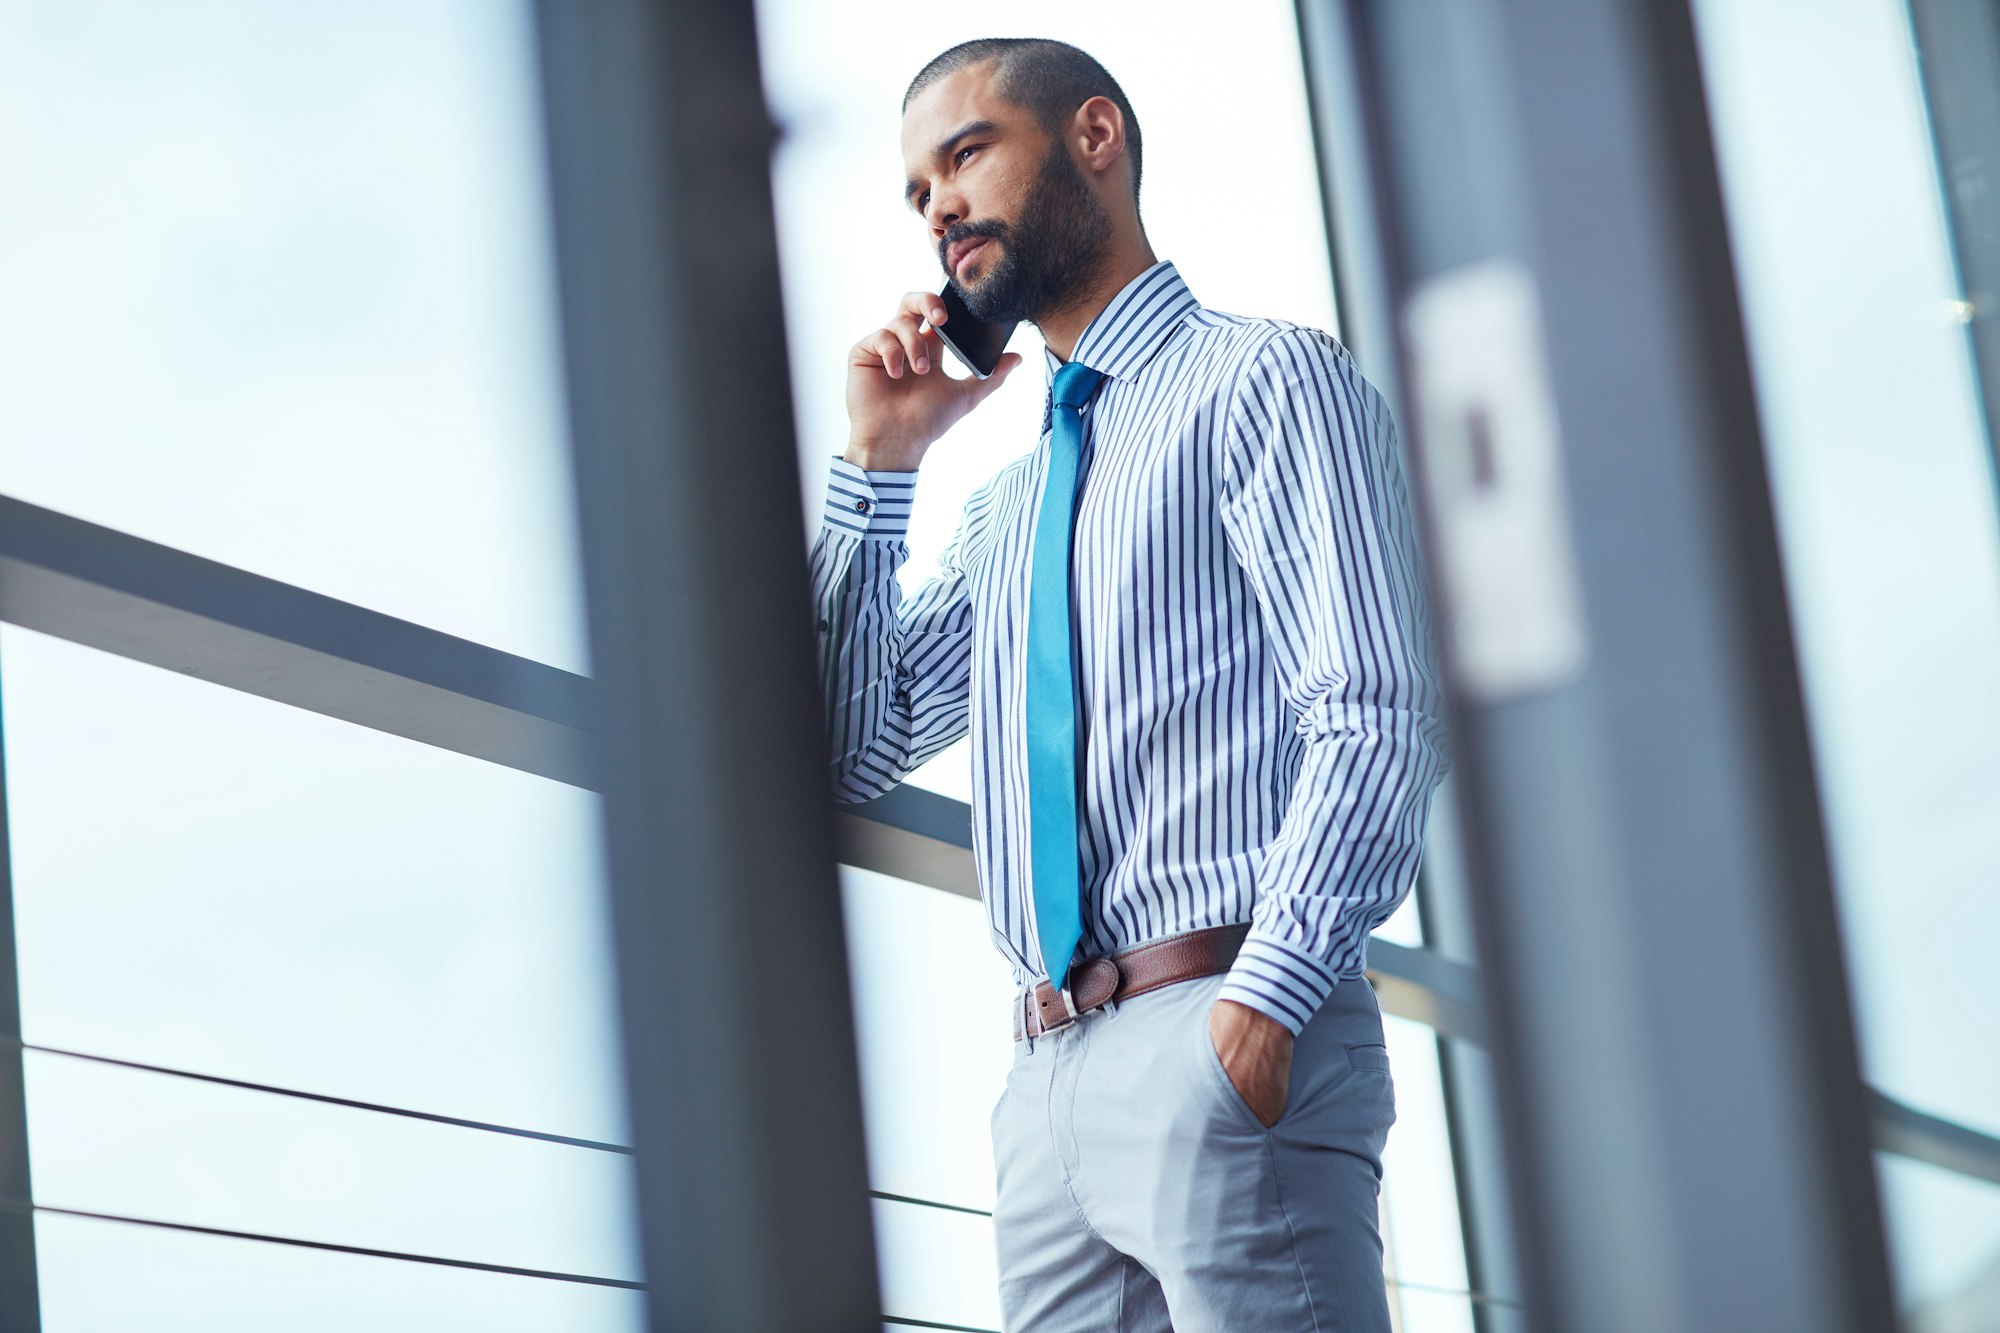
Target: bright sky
[[277, 292]]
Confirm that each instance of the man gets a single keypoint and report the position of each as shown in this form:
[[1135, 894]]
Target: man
[[1188, 637]]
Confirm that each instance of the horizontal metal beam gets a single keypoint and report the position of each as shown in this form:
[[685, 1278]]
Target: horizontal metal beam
[[1428, 988], [921, 812], [154, 604], [912, 834], [112, 591], [926, 838], [107, 589], [1921, 1137], [874, 844]]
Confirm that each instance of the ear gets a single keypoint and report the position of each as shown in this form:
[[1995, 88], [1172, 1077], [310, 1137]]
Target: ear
[[1098, 131]]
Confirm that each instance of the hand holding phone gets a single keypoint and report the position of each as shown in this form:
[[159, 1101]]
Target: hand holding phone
[[899, 399]]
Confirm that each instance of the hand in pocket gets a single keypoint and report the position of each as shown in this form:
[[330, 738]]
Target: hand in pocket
[[1255, 1051]]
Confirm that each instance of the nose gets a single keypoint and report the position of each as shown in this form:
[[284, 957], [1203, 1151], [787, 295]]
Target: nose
[[944, 211]]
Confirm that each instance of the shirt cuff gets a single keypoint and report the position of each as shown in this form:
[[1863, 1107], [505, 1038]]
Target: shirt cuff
[[869, 504], [1278, 980]]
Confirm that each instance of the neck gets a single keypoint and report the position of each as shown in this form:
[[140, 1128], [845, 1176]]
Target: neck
[[1129, 258]]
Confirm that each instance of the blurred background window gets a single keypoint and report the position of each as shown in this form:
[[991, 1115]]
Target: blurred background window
[[1882, 472], [211, 881], [279, 294]]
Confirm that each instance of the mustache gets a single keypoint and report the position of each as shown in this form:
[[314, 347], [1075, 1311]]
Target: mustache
[[992, 229]]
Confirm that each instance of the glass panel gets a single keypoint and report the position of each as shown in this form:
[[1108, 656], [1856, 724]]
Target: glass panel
[[937, 1265], [1419, 1311], [1884, 493], [931, 1071], [837, 86], [278, 294], [1405, 925], [110, 1140], [1945, 1242], [211, 881], [1484, 1190], [1446, 923], [1424, 1246], [949, 771], [167, 1279]]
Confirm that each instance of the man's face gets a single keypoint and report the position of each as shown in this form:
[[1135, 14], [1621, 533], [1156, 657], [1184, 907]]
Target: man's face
[[1016, 225]]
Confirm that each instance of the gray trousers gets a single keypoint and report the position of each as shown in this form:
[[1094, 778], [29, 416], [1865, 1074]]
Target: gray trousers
[[1137, 1192]]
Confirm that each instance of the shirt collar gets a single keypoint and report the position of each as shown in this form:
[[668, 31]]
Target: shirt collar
[[1134, 326]]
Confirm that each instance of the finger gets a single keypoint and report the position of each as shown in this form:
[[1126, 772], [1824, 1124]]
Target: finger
[[888, 349], [909, 334], [927, 306], [868, 352]]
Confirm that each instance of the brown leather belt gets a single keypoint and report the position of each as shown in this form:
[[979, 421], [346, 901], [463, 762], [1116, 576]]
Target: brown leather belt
[[1129, 972]]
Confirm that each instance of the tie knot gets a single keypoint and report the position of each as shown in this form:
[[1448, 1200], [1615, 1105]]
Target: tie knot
[[1075, 382]]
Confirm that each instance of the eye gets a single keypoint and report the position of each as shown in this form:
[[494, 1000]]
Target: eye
[[963, 153], [923, 201]]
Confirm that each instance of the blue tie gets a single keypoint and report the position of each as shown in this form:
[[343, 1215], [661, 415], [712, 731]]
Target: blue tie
[[1051, 703]]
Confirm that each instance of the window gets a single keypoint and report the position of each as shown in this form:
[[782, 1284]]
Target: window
[[211, 881], [328, 354], [1882, 479], [279, 297]]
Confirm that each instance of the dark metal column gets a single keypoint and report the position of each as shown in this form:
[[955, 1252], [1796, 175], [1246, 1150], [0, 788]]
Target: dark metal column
[[1684, 1117], [739, 1035], [20, 1300], [1337, 89]]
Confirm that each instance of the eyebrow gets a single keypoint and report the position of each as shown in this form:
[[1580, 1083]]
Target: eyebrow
[[945, 148]]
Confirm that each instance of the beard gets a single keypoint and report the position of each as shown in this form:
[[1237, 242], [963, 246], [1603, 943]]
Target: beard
[[1049, 259]]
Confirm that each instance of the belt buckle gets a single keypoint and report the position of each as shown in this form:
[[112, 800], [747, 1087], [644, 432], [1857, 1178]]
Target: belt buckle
[[1070, 1014]]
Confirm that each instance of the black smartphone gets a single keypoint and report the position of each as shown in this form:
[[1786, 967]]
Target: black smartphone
[[976, 342]]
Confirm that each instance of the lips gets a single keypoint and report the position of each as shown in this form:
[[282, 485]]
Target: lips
[[965, 250]]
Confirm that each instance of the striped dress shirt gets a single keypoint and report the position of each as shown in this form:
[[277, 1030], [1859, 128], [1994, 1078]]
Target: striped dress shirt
[[1257, 706]]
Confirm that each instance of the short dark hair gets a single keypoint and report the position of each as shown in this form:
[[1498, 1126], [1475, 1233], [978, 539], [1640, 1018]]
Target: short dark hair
[[1049, 79]]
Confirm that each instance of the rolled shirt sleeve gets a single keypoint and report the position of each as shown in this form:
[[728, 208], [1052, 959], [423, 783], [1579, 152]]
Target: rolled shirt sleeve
[[1313, 503]]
